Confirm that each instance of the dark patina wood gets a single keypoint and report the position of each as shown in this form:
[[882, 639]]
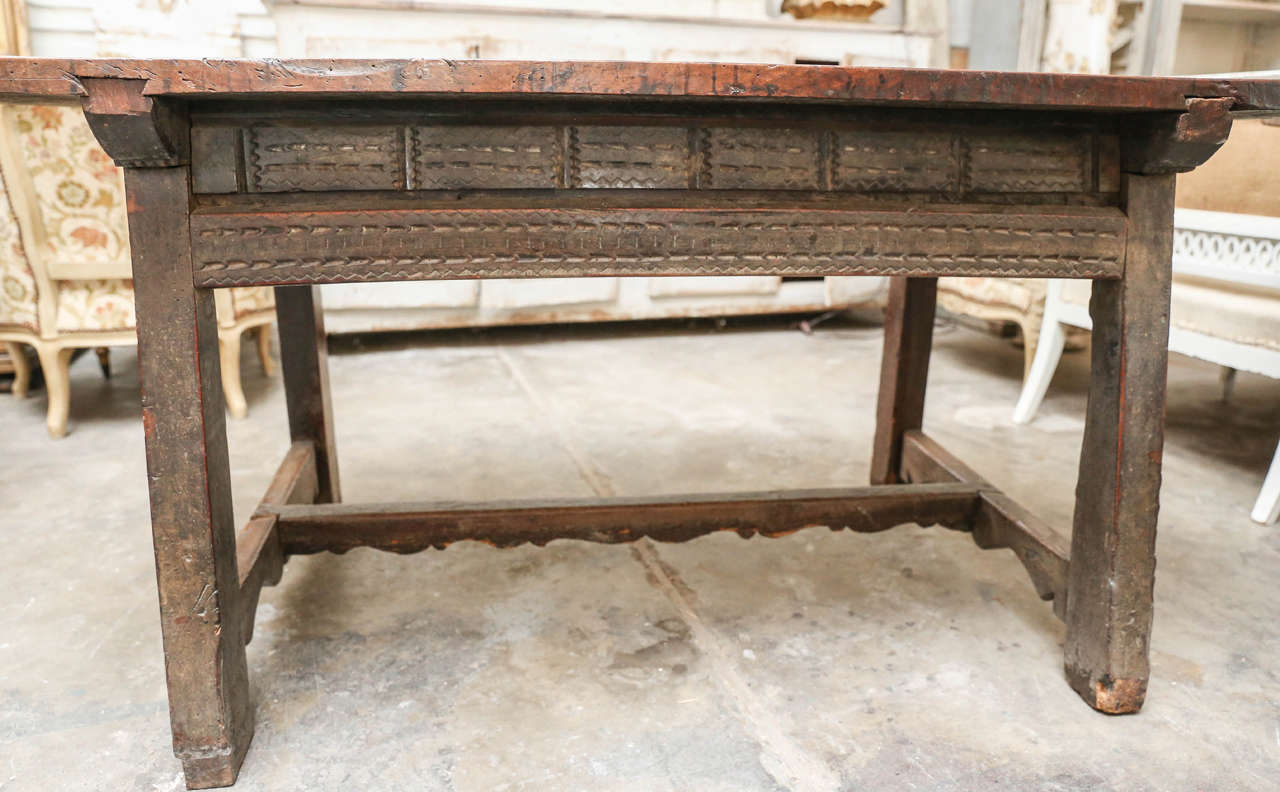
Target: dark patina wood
[[25, 79], [336, 246], [998, 521], [904, 371], [410, 528], [259, 557], [304, 361], [190, 485], [1111, 581], [298, 173]]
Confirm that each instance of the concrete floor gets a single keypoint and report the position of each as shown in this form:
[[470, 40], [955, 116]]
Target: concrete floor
[[821, 661]]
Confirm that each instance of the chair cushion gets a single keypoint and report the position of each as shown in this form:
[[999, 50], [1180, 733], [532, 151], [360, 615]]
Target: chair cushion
[[1243, 314], [95, 305], [1020, 294], [101, 305]]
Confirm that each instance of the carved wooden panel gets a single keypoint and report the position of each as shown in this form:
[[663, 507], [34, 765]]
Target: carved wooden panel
[[1029, 163], [492, 157], [629, 156], [895, 161], [762, 159], [233, 249], [280, 159], [954, 164]]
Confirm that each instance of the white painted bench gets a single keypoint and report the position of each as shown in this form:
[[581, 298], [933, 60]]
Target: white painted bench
[[1226, 310]]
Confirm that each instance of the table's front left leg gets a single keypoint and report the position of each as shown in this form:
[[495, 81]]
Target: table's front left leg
[[1112, 568], [190, 484]]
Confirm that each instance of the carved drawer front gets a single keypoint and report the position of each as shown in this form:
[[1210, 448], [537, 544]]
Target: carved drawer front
[[280, 159], [874, 161], [1026, 163], [493, 157], [619, 156], [762, 159], [955, 164]]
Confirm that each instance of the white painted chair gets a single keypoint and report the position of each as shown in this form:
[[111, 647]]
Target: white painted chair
[[1226, 310], [64, 259]]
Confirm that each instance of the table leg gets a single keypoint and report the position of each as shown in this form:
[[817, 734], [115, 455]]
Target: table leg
[[904, 371], [190, 484], [1112, 568], [304, 358]]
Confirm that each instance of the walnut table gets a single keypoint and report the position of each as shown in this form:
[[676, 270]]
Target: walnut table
[[292, 174]]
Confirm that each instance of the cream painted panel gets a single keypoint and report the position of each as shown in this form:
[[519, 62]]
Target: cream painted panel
[[713, 285], [504, 293], [848, 290], [413, 294]]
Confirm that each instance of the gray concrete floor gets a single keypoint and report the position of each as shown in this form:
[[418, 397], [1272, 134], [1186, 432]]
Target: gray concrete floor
[[821, 661]]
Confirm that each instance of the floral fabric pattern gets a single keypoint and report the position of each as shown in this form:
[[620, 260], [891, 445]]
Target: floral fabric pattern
[[80, 209], [79, 191], [89, 305], [17, 284], [95, 305]]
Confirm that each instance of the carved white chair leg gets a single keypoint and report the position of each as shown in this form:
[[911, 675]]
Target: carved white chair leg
[[1267, 508], [56, 364], [229, 355], [264, 349], [21, 369], [1036, 382], [1030, 345]]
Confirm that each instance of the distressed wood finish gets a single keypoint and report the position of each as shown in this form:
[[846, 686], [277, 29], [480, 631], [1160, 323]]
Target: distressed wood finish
[[950, 156], [904, 371], [304, 361], [301, 173], [410, 528], [1112, 574], [284, 159], [259, 558], [999, 521], [244, 248], [51, 79], [479, 157], [1178, 144], [189, 478], [135, 129]]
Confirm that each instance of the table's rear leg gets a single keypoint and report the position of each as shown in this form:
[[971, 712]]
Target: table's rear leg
[[904, 371], [190, 484], [1112, 569], [304, 358]]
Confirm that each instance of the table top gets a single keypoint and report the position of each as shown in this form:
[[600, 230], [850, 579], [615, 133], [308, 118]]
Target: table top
[[55, 79]]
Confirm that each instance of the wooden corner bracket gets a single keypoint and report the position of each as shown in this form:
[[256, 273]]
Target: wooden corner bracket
[[1177, 144], [136, 130]]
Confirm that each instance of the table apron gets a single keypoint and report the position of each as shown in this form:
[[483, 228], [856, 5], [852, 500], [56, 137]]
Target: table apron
[[268, 247]]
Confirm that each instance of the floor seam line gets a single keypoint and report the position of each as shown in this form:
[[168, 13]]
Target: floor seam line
[[782, 758]]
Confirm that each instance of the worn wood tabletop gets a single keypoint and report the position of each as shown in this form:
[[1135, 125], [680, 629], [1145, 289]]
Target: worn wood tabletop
[[54, 78]]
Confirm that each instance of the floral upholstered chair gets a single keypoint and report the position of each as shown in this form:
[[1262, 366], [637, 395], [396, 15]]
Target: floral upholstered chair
[[64, 258]]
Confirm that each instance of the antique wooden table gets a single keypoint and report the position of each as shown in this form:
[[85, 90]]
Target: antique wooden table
[[300, 173]]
